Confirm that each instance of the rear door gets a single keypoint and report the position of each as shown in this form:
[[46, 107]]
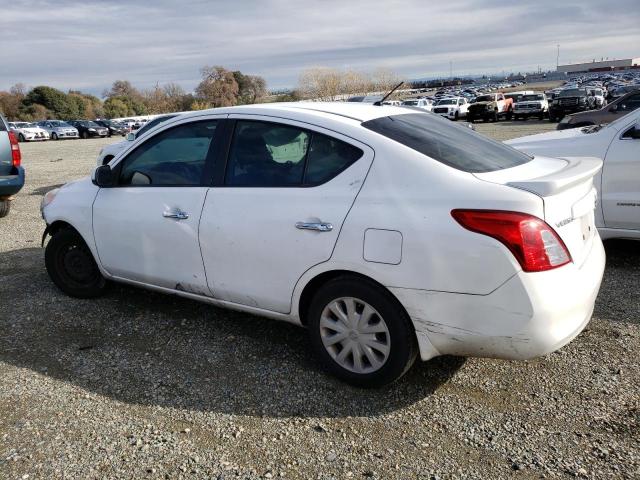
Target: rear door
[[277, 208], [621, 181]]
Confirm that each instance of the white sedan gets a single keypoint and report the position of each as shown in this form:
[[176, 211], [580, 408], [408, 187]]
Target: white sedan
[[386, 232], [28, 132], [618, 144]]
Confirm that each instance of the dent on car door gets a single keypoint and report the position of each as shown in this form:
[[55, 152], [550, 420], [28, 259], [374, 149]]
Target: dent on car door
[[621, 180], [146, 227], [278, 208]]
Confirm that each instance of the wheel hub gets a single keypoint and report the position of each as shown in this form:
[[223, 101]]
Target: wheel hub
[[355, 335]]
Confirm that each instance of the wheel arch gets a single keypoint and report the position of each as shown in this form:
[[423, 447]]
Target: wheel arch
[[313, 284]]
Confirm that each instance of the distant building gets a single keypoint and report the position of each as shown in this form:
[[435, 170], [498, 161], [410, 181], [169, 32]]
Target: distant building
[[601, 66]]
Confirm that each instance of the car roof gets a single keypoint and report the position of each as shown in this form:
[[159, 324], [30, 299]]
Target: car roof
[[342, 111]]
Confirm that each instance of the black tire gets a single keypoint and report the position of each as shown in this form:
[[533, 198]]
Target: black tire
[[72, 267], [456, 117], [403, 345], [495, 117], [509, 114], [469, 119], [5, 206], [54, 136], [85, 135], [20, 137]]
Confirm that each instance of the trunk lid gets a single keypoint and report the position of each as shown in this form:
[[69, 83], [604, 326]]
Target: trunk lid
[[566, 188]]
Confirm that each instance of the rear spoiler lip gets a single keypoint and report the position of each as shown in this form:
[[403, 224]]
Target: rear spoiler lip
[[577, 170]]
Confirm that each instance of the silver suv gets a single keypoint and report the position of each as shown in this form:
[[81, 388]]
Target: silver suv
[[58, 129], [11, 173]]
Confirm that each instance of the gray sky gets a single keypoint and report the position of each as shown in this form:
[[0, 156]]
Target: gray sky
[[88, 44]]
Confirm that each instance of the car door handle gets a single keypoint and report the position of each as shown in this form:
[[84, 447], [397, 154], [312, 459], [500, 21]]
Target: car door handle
[[177, 214], [319, 227]]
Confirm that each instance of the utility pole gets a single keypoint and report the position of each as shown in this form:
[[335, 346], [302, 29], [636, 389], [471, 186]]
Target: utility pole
[[558, 58], [450, 70]]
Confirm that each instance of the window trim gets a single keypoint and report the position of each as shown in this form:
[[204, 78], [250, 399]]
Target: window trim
[[220, 177], [213, 153]]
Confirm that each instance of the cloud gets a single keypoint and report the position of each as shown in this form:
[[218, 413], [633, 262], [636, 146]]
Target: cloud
[[88, 44]]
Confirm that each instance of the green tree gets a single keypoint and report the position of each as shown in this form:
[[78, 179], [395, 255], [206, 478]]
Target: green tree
[[53, 100], [251, 88], [115, 108], [218, 87]]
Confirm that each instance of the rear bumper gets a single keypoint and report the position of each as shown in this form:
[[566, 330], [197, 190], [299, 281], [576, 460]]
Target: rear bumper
[[530, 315], [12, 184]]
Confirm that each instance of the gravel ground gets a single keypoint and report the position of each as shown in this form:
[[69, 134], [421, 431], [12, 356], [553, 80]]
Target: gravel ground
[[141, 385]]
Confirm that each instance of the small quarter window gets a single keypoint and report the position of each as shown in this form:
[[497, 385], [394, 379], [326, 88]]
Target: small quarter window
[[328, 157]]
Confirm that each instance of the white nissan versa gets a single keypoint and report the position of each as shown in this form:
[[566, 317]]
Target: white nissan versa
[[387, 232]]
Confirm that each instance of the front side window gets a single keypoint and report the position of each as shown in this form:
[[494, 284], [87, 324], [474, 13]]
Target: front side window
[[174, 157], [265, 154]]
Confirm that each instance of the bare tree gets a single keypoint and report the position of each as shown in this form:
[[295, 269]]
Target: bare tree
[[218, 87], [321, 83]]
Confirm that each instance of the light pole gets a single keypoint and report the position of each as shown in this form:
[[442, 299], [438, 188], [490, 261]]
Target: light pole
[[558, 57]]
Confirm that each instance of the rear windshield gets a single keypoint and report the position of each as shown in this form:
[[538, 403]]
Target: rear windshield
[[454, 145]]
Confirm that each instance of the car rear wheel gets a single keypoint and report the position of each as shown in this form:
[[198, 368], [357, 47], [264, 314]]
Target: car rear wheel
[[5, 206], [71, 265], [361, 333]]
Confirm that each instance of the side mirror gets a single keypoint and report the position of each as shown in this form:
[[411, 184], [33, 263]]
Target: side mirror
[[103, 177], [131, 136]]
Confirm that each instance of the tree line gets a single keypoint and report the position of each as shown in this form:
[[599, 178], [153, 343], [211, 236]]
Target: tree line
[[218, 87]]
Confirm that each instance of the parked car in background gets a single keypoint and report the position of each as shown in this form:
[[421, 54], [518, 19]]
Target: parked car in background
[[115, 128], [59, 130], [596, 98], [89, 129], [28, 132], [531, 105], [11, 172], [616, 109], [568, 101], [447, 243], [516, 96], [452, 108], [492, 106], [423, 103], [110, 151], [618, 144]]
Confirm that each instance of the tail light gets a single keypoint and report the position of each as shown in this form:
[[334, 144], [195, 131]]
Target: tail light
[[15, 150], [536, 246]]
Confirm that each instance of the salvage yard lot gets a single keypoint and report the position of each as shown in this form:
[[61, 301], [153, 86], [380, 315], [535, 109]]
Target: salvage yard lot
[[141, 385]]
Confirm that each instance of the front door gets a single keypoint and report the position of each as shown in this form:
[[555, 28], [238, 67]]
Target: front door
[[279, 209], [621, 181], [146, 227]]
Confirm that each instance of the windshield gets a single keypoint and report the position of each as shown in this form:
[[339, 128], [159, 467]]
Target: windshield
[[447, 101], [573, 92], [485, 98], [410, 102], [58, 123], [528, 98], [22, 125], [456, 146]]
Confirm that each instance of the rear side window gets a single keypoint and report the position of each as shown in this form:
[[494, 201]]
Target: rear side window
[[3, 124], [456, 146], [265, 154]]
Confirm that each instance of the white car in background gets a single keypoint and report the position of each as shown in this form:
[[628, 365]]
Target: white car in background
[[452, 108], [388, 233], [28, 132], [423, 103], [596, 97], [618, 145], [531, 105]]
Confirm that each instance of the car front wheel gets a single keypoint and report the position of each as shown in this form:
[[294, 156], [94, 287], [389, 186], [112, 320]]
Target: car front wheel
[[361, 333], [71, 265], [54, 136]]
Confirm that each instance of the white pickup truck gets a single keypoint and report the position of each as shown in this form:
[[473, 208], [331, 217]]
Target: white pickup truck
[[531, 105], [618, 184]]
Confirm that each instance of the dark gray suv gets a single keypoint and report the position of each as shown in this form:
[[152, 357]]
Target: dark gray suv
[[11, 173]]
